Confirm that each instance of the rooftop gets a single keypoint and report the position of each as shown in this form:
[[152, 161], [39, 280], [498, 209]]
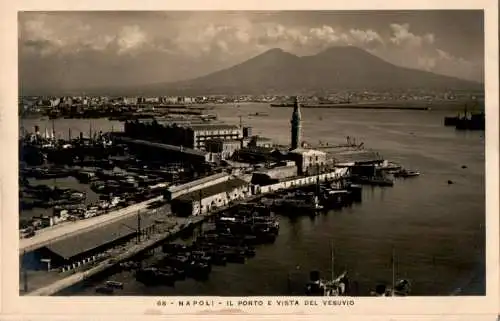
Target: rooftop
[[173, 148], [197, 182], [261, 139], [213, 190], [304, 151], [257, 149], [100, 236], [220, 140], [213, 126]]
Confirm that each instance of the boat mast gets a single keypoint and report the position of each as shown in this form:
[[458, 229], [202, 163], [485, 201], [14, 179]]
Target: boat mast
[[393, 272], [333, 261]]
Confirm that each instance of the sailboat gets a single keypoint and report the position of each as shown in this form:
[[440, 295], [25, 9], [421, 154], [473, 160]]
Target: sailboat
[[336, 286], [398, 288]]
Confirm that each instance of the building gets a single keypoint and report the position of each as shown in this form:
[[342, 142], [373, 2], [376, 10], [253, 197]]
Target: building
[[274, 175], [83, 248], [224, 148], [188, 135], [247, 131], [164, 152], [254, 155], [202, 201], [308, 161], [151, 100], [130, 100], [203, 133], [296, 126], [257, 141]]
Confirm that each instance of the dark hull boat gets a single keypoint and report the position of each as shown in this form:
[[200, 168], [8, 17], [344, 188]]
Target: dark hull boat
[[155, 276]]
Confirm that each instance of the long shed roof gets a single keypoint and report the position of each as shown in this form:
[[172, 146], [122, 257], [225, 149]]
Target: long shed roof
[[100, 236], [226, 186]]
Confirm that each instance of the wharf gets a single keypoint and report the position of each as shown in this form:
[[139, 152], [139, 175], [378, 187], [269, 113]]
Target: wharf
[[152, 242], [108, 263], [67, 229]]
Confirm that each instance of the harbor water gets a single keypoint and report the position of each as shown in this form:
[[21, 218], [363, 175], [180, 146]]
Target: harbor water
[[436, 229]]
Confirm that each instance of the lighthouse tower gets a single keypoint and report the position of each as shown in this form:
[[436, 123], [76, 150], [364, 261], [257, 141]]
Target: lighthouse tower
[[296, 126]]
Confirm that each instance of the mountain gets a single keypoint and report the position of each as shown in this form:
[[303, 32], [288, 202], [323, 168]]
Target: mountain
[[278, 72], [337, 68]]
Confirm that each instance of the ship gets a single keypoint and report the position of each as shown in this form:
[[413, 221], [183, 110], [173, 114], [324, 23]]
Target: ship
[[467, 120], [298, 206], [404, 173]]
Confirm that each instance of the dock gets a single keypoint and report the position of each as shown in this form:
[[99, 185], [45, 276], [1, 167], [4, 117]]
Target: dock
[[68, 229], [104, 265], [155, 239]]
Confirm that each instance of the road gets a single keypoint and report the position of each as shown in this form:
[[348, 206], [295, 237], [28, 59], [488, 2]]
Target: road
[[65, 230]]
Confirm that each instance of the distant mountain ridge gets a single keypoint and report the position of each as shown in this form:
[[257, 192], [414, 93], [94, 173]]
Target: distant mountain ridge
[[337, 68], [278, 72]]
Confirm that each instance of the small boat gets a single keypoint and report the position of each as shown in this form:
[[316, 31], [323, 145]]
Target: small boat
[[114, 284], [404, 173], [104, 290], [258, 114]]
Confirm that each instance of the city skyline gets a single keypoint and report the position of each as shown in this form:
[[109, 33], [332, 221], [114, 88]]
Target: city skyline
[[79, 49]]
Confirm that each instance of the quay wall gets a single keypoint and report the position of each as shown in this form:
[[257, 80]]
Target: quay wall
[[302, 181]]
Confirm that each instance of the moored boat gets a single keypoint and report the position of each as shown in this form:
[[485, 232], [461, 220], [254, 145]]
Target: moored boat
[[404, 173]]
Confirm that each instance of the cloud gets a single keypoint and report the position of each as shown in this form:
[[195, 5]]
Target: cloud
[[365, 36], [403, 37], [130, 38], [193, 43], [460, 67], [44, 34]]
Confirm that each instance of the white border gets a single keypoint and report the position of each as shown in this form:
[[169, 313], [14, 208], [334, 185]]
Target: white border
[[435, 307]]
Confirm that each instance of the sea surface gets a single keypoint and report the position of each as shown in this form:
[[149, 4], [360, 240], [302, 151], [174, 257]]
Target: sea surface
[[437, 230]]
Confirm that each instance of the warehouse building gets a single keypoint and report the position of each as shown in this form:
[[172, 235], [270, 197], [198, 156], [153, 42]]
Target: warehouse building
[[91, 245], [207, 199], [155, 151], [308, 161], [274, 175]]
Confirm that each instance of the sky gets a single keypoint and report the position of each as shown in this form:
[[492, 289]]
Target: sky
[[71, 50]]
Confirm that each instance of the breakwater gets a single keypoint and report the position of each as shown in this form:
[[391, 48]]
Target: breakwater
[[356, 106]]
